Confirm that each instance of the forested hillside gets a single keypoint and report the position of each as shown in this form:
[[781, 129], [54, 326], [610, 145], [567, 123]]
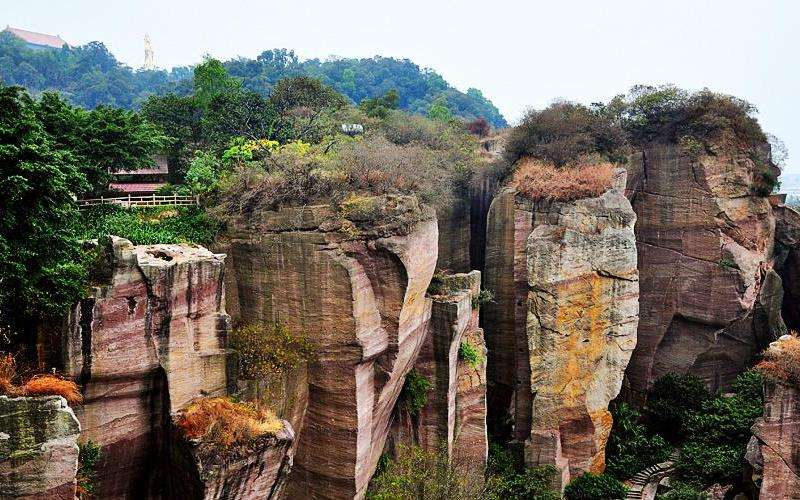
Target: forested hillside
[[90, 75]]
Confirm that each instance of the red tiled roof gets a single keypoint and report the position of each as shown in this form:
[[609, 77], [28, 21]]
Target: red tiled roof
[[136, 187], [34, 38], [160, 167]]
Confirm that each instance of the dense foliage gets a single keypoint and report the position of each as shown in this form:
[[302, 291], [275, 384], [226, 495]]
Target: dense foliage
[[590, 486], [711, 430], [40, 258], [148, 226], [414, 395], [632, 447], [89, 75], [88, 458], [470, 353]]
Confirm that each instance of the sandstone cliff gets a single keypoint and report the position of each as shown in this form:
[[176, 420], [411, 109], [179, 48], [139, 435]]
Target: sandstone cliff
[[774, 450], [354, 282], [787, 250], [705, 244], [453, 420], [38, 448], [143, 346], [563, 325]]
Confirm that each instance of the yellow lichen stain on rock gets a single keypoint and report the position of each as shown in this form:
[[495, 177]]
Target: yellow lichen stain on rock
[[603, 421]]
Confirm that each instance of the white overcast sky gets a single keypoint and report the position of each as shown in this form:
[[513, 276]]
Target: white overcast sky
[[519, 53]]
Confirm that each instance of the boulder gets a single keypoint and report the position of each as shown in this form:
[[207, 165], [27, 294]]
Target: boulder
[[38, 448]]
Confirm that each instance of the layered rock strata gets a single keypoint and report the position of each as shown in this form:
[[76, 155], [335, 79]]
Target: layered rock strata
[[38, 448], [705, 244], [143, 346], [257, 469], [453, 420], [774, 450], [354, 283], [563, 325], [787, 239]]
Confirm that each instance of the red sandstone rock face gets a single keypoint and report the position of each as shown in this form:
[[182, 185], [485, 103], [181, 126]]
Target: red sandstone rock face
[[142, 347], [454, 417], [358, 293], [563, 324], [705, 244], [38, 448], [454, 236], [787, 237], [775, 447], [256, 470]]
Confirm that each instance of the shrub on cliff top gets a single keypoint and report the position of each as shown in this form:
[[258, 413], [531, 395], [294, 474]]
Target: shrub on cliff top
[[36, 385], [222, 422], [564, 133], [541, 181], [781, 361]]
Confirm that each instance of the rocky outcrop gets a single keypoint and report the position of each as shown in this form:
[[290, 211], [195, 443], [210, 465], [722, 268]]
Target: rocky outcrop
[[787, 261], [774, 450], [453, 419], [453, 220], [142, 346], [257, 469], [563, 324], [705, 244], [354, 282], [38, 448]]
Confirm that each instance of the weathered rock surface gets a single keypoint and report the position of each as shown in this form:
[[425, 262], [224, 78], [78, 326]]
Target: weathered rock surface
[[454, 235], [256, 470], [38, 448], [705, 244], [774, 450], [563, 324], [357, 290], [787, 250], [143, 346], [454, 418]]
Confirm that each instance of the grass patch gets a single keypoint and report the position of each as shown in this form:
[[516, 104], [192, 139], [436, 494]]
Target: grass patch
[[781, 361], [36, 385], [148, 226], [223, 423], [542, 181], [267, 349]]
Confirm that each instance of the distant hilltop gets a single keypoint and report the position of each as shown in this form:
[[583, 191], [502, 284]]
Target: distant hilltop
[[89, 75]]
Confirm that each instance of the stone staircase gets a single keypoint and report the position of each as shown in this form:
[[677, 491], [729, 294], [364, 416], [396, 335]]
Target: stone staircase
[[641, 479]]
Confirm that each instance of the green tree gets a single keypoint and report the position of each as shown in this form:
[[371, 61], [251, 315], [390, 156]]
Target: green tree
[[439, 110], [40, 259], [103, 140], [590, 486], [211, 79]]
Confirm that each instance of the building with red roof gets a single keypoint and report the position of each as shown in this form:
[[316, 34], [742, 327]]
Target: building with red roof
[[36, 40]]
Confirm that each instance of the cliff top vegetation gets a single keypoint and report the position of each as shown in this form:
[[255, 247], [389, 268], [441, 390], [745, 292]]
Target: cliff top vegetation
[[15, 384], [222, 422], [538, 180], [781, 360], [566, 133]]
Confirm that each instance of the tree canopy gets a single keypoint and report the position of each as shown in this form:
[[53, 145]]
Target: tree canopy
[[89, 75]]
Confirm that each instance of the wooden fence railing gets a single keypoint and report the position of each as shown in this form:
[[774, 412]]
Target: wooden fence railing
[[142, 201]]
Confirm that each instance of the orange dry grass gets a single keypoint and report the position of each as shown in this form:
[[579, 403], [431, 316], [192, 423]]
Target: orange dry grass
[[45, 385], [223, 422], [542, 181], [782, 361], [8, 372]]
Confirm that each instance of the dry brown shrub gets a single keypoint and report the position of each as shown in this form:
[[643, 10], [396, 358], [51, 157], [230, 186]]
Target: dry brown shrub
[[542, 181], [223, 422], [8, 372], [46, 385], [781, 361]]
